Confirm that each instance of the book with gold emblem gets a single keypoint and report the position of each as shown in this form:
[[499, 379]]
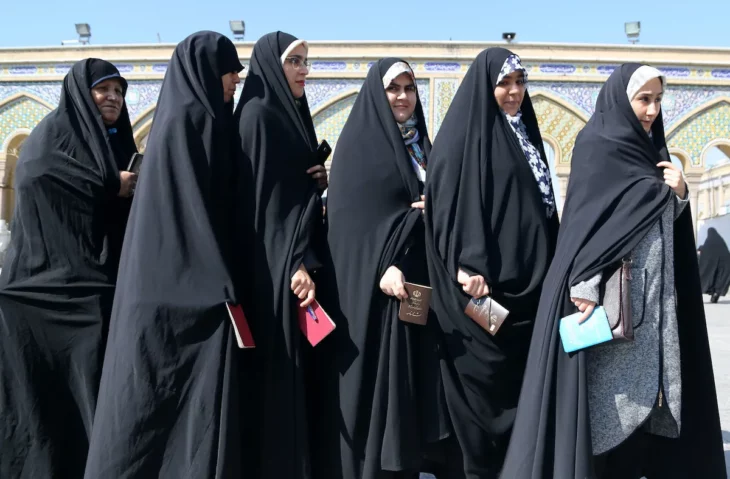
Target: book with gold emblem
[[415, 308]]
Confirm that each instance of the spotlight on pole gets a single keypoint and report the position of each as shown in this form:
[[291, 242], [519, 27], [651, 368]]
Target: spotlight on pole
[[84, 32], [238, 27], [509, 37], [632, 29]]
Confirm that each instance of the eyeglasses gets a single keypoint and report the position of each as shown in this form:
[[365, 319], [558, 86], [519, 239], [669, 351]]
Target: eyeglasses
[[297, 62]]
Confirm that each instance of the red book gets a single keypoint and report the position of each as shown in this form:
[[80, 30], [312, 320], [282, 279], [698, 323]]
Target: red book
[[315, 323], [240, 326]]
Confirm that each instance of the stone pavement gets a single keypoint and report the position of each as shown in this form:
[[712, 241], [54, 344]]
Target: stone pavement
[[718, 328]]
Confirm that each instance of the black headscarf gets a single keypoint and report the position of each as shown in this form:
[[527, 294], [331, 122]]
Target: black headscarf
[[493, 226], [57, 284], [168, 404], [267, 87], [121, 140], [484, 214], [616, 194], [381, 407], [120, 134], [284, 212]]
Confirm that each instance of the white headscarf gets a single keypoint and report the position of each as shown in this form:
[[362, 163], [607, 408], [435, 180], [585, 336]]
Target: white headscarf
[[291, 48], [396, 69], [640, 77]]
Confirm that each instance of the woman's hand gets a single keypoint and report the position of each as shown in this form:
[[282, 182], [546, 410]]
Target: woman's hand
[[392, 283], [474, 286], [673, 177], [584, 306], [319, 173], [303, 286], [128, 182], [420, 204]]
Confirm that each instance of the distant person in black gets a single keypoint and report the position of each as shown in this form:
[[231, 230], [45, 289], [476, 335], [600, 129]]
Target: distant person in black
[[168, 401], [277, 147], [57, 283], [714, 266]]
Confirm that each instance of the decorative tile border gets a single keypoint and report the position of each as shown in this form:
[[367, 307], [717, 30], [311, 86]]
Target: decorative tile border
[[539, 70]]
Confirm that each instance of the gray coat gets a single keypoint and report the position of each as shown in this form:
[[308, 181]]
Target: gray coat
[[625, 379]]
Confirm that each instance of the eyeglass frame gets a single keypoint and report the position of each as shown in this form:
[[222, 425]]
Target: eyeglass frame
[[301, 62]]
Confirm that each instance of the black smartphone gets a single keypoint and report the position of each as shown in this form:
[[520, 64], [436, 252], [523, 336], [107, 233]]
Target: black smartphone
[[135, 163], [324, 150]]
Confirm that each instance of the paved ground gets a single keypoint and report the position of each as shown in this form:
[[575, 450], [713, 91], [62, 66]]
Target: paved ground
[[718, 326]]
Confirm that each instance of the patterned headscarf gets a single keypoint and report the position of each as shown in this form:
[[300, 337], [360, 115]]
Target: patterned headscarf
[[409, 129], [539, 168], [512, 64]]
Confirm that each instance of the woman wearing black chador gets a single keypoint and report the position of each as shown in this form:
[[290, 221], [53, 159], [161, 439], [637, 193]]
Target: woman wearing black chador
[[382, 411], [625, 409], [491, 228], [277, 146], [72, 199], [168, 402]]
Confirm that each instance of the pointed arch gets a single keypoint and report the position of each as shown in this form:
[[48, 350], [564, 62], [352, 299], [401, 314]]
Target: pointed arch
[[560, 102], [560, 124], [681, 121], [8, 161], [20, 113], [14, 140], [24, 95], [555, 145], [330, 119], [723, 144], [706, 126], [141, 127], [143, 118], [683, 157], [334, 100]]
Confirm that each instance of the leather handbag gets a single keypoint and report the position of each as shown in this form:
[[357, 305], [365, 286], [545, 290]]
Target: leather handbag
[[615, 296]]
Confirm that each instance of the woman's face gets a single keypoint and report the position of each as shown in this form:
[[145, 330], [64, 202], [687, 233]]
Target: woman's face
[[647, 103], [230, 80], [402, 97], [510, 91], [109, 98], [296, 70]]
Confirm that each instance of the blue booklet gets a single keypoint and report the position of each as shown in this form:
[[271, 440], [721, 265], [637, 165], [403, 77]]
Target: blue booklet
[[595, 330]]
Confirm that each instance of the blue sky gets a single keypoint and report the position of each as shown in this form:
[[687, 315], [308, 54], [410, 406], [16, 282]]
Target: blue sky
[[47, 22]]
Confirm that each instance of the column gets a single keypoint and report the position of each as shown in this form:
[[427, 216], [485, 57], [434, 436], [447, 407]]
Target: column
[[3, 195], [693, 184]]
